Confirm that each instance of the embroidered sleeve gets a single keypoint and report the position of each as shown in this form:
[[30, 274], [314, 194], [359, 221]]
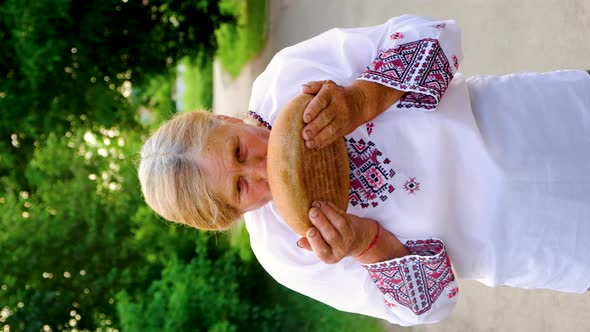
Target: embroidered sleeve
[[420, 59], [417, 284]]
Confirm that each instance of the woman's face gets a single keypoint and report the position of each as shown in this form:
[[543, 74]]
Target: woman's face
[[234, 161]]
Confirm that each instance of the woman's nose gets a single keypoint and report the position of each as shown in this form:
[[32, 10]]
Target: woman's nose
[[256, 169]]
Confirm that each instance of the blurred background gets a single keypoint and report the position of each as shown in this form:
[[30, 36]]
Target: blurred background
[[83, 82]]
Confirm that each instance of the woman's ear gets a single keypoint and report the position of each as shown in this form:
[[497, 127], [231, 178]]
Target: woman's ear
[[230, 119]]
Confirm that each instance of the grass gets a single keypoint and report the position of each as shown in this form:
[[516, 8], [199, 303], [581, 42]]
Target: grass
[[239, 238], [239, 42], [198, 81]]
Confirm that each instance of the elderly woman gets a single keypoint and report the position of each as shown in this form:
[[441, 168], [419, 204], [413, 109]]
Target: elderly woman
[[488, 173]]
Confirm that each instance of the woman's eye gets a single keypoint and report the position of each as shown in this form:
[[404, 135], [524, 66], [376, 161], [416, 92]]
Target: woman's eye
[[238, 153], [239, 186]]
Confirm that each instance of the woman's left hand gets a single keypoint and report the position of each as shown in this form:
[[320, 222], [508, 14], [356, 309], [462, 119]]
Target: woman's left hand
[[336, 234], [334, 112]]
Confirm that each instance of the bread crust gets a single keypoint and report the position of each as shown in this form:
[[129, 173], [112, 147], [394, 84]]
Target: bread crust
[[298, 176]]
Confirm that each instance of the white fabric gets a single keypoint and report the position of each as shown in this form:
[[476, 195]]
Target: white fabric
[[502, 166]]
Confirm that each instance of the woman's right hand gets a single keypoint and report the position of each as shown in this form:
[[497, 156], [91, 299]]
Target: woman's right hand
[[336, 234]]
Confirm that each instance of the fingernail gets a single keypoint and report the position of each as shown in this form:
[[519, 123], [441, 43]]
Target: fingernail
[[314, 213], [307, 134], [309, 144], [312, 232], [305, 85], [299, 245], [307, 117], [317, 204]]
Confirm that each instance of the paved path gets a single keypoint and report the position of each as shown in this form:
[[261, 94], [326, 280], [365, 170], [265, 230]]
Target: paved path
[[500, 36]]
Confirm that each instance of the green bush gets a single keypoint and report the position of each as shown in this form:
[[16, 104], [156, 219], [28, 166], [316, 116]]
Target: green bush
[[214, 291], [238, 43]]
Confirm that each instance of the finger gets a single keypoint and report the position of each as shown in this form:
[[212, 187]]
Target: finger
[[303, 243], [334, 208], [321, 121], [312, 87], [334, 213], [318, 245], [325, 136], [338, 218], [324, 225], [318, 103]]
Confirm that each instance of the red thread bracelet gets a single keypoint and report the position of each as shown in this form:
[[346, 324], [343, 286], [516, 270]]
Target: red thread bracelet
[[373, 242]]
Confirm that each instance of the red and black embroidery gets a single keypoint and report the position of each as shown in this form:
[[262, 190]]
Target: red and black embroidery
[[411, 186], [415, 281], [370, 125], [453, 292], [396, 36], [455, 62], [420, 67], [258, 118], [370, 174]]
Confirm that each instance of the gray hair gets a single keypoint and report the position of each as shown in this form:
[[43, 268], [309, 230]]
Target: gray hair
[[172, 182]]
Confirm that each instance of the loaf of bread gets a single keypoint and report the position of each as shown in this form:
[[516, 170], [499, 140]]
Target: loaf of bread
[[298, 176]]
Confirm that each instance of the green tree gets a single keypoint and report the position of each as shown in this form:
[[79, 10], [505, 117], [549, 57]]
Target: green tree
[[82, 236], [214, 291], [63, 61]]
